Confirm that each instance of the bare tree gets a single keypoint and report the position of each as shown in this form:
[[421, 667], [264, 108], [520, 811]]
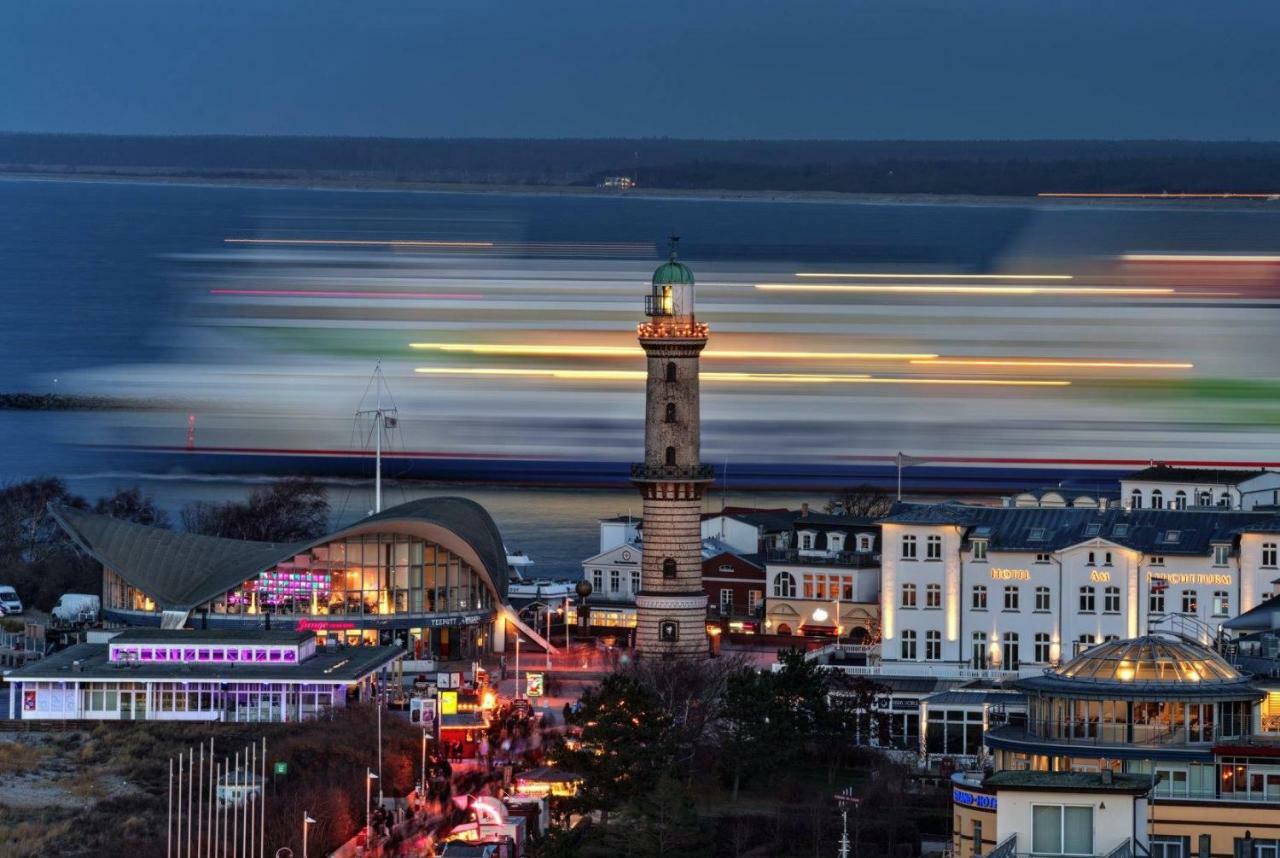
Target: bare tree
[[861, 501], [293, 509]]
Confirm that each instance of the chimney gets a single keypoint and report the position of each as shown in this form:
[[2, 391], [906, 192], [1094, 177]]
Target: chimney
[[804, 510]]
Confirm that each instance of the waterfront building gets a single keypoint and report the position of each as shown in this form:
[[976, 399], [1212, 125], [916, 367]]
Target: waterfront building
[[1165, 487], [1154, 744], [991, 591], [671, 606], [197, 675], [734, 584], [429, 576], [823, 579]]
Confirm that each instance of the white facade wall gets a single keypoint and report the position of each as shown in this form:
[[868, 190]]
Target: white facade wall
[[1258, 576], [616, 564], [865, 583], [614, 533], [742, 537], [1115, 817], [1261, 490]]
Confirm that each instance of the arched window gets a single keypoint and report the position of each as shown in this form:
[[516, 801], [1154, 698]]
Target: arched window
[[1180, 499], [784, 629], [671, 412], [1157, 499], [784, 586], [669, 568], [671, 456], [1205, 499], [1135, 499], [671, 370], [1224, 500]]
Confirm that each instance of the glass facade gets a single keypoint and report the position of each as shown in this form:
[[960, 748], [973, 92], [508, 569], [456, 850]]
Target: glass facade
[[1143, 722]]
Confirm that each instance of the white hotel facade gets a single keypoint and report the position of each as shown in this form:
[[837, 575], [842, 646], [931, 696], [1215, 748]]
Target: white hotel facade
[[1023, 588]]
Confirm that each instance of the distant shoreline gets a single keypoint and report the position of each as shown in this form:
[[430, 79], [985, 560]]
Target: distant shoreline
[[369, 184]]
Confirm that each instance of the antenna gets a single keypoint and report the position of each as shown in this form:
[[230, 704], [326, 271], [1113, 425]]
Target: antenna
[[383, 418]]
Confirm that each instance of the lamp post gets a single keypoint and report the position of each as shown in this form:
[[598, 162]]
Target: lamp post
[[422, 781], [548, 609], [369, 778], [307, 822], [517, 663]]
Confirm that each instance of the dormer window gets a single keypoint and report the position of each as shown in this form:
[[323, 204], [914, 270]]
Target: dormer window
[[1093, 528], [806, 541], [1120, 530], [1221, 555], [864, 542], [979, 549], [1036, 534], [1172, 537]]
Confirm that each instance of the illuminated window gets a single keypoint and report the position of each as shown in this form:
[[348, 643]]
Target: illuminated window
[[908, 547], [1221, 603], [1269, 555], [979, 549], [933, 548], [1221, 555], [933, 596], [1189, 603], [933, 645], [1087, 597], [979, 597], [1157, 499], [908, 644], [1043, 599], [671, 412], [669, 568], [1011, 598], [784, 586], [1111, 600], [1042, 649], [671, 371], [908, 595]]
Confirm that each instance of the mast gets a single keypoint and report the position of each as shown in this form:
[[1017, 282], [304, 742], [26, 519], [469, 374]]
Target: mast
[[383, 418]]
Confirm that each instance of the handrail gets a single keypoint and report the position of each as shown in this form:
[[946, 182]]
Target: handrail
[[1008, 848], [700, 473], [1124, 850]]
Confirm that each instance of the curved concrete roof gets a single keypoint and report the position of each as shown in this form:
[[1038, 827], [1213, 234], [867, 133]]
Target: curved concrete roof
[[183, 570]]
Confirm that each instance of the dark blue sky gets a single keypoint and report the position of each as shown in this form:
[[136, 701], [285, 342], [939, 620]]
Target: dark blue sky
[[698, 68]]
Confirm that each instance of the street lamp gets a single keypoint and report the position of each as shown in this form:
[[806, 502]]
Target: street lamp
[[369, 778], [517, 663], [307, 822], [422, 781]]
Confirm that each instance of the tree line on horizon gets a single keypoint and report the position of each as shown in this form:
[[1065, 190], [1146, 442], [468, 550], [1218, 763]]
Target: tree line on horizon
[[973, 167]]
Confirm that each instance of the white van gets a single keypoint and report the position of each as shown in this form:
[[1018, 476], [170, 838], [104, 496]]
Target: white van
[[9, 600], [77, 608]]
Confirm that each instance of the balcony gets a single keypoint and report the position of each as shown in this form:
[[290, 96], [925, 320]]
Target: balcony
[[643, 473], [1009, 849], [808, 557]]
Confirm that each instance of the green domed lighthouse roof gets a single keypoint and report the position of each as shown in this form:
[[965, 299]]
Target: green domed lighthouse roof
[[673, 271]]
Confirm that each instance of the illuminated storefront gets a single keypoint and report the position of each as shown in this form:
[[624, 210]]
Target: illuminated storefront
[[430, 576]]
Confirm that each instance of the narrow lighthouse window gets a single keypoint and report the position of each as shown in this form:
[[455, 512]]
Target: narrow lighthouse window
[[671, 456], [671, 412], [671, 370], [669, 568]]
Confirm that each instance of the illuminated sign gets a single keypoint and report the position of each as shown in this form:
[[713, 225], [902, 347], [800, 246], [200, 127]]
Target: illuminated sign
[[1197, 578], [533, 685], [323, 626], [1000, 574], [973, 799], [1098, 576], [448, 703]]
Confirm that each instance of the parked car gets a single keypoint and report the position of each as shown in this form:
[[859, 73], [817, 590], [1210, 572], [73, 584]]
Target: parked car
[[9, 601], [77, 608]]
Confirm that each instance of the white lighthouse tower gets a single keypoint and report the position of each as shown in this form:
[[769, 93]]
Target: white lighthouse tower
[[671, 608]]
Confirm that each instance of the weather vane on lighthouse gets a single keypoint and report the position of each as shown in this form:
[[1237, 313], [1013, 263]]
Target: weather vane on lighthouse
[[671, 608]]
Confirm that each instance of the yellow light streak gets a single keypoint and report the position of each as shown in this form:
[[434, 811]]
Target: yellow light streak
[[632, 351], [899, 276], [1053, 362], [353, 242], [921, 288], [751, 377]]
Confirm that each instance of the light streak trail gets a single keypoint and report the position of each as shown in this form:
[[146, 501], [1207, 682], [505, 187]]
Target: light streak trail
[[920, 288], [631, 351], [897, 276], [1052, 362], [355, 242], [323, 293], [1198, 257], [752, 377]]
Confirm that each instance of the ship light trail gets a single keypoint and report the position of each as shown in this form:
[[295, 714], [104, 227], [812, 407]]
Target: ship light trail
[[355, 242], [1199, 257], [324, 293], [1052, 362], [898, 276], [630, 351], [748, 377], [939, 289]]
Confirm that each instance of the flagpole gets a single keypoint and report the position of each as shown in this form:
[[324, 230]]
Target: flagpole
[[200, 805], [168, 849]]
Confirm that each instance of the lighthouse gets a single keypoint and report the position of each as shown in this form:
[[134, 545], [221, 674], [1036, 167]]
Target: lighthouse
[[671, 607]]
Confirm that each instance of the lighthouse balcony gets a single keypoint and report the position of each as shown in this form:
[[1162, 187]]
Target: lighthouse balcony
[[642, 472]]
